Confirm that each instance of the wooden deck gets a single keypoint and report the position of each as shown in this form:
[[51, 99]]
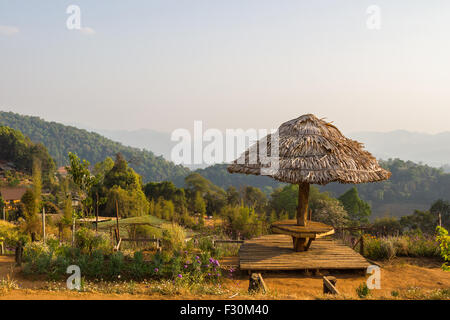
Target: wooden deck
[[275, 252]]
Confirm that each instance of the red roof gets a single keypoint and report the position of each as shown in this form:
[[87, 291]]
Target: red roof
[[9, 194]]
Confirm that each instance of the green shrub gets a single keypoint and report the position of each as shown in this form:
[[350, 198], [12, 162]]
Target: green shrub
[[422, 247], [11, 234], [378, 249], [189, 267], [88, 240], [173, 237], [407, 245], [363, 290], [444, 244]]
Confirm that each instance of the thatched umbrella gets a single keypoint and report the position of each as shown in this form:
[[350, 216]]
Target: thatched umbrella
[[312, 151]]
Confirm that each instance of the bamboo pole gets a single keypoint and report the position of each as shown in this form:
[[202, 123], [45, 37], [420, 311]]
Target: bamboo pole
[[43, 224], [96, 216], [73, 232], [117, 219]]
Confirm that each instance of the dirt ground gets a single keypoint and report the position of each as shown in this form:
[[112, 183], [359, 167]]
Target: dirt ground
[[398, 275]]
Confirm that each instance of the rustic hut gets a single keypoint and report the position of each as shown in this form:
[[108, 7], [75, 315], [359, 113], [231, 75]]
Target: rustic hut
[[310, 151]]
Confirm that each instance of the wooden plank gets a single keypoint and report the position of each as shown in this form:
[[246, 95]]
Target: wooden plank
[[140, 239], [227, 241], [275, 252], [117, 248]]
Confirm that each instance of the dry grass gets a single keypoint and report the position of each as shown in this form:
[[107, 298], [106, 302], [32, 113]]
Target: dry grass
[[402, 278]]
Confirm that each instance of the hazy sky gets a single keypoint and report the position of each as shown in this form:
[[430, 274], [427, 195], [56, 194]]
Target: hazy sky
[[162, 64]]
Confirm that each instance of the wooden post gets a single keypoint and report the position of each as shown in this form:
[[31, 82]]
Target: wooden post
[[73, 232], [361, 246], [4, 215], [43, 224], [19, 252], [117, 219], [96, 216], [300, 244], [302, 209], [256, 283], [440, 220], [329, 285]]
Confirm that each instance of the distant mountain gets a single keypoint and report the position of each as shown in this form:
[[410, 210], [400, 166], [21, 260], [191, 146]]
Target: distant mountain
[[61, 139], [159, 143], [430, 149]]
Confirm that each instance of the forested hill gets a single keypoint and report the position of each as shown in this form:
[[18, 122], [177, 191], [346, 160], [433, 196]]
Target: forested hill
[[411, 186], [61, 139], [219, 175]]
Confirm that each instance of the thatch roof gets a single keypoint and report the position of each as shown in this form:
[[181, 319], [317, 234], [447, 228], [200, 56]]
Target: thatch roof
[[314, 151]]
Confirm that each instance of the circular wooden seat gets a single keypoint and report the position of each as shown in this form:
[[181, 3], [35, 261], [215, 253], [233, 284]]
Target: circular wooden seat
[[302, 235]]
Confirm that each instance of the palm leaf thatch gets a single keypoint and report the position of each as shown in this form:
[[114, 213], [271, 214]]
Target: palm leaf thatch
[[314, 151]]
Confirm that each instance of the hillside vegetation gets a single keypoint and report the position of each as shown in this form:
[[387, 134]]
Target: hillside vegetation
[[61, 139], [219, 175], [19, 151], [411, 184]]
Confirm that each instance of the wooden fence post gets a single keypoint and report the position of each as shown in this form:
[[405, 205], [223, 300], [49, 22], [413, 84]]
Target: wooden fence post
[[19, 252], [329, 285], [117, 220], [43, 224], [73, 233], [96, 215], [59, 232], [256, 283], [361, 245]]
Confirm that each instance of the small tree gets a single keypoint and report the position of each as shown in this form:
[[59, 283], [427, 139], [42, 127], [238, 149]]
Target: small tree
[[387, 226], [358, 210], [199, 204], [32, 201], [37, 184], [326, 209], [444, 242], [285, 200], [81, 176]]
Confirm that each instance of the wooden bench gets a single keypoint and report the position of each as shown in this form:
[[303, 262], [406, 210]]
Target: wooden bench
[[302, 236]]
